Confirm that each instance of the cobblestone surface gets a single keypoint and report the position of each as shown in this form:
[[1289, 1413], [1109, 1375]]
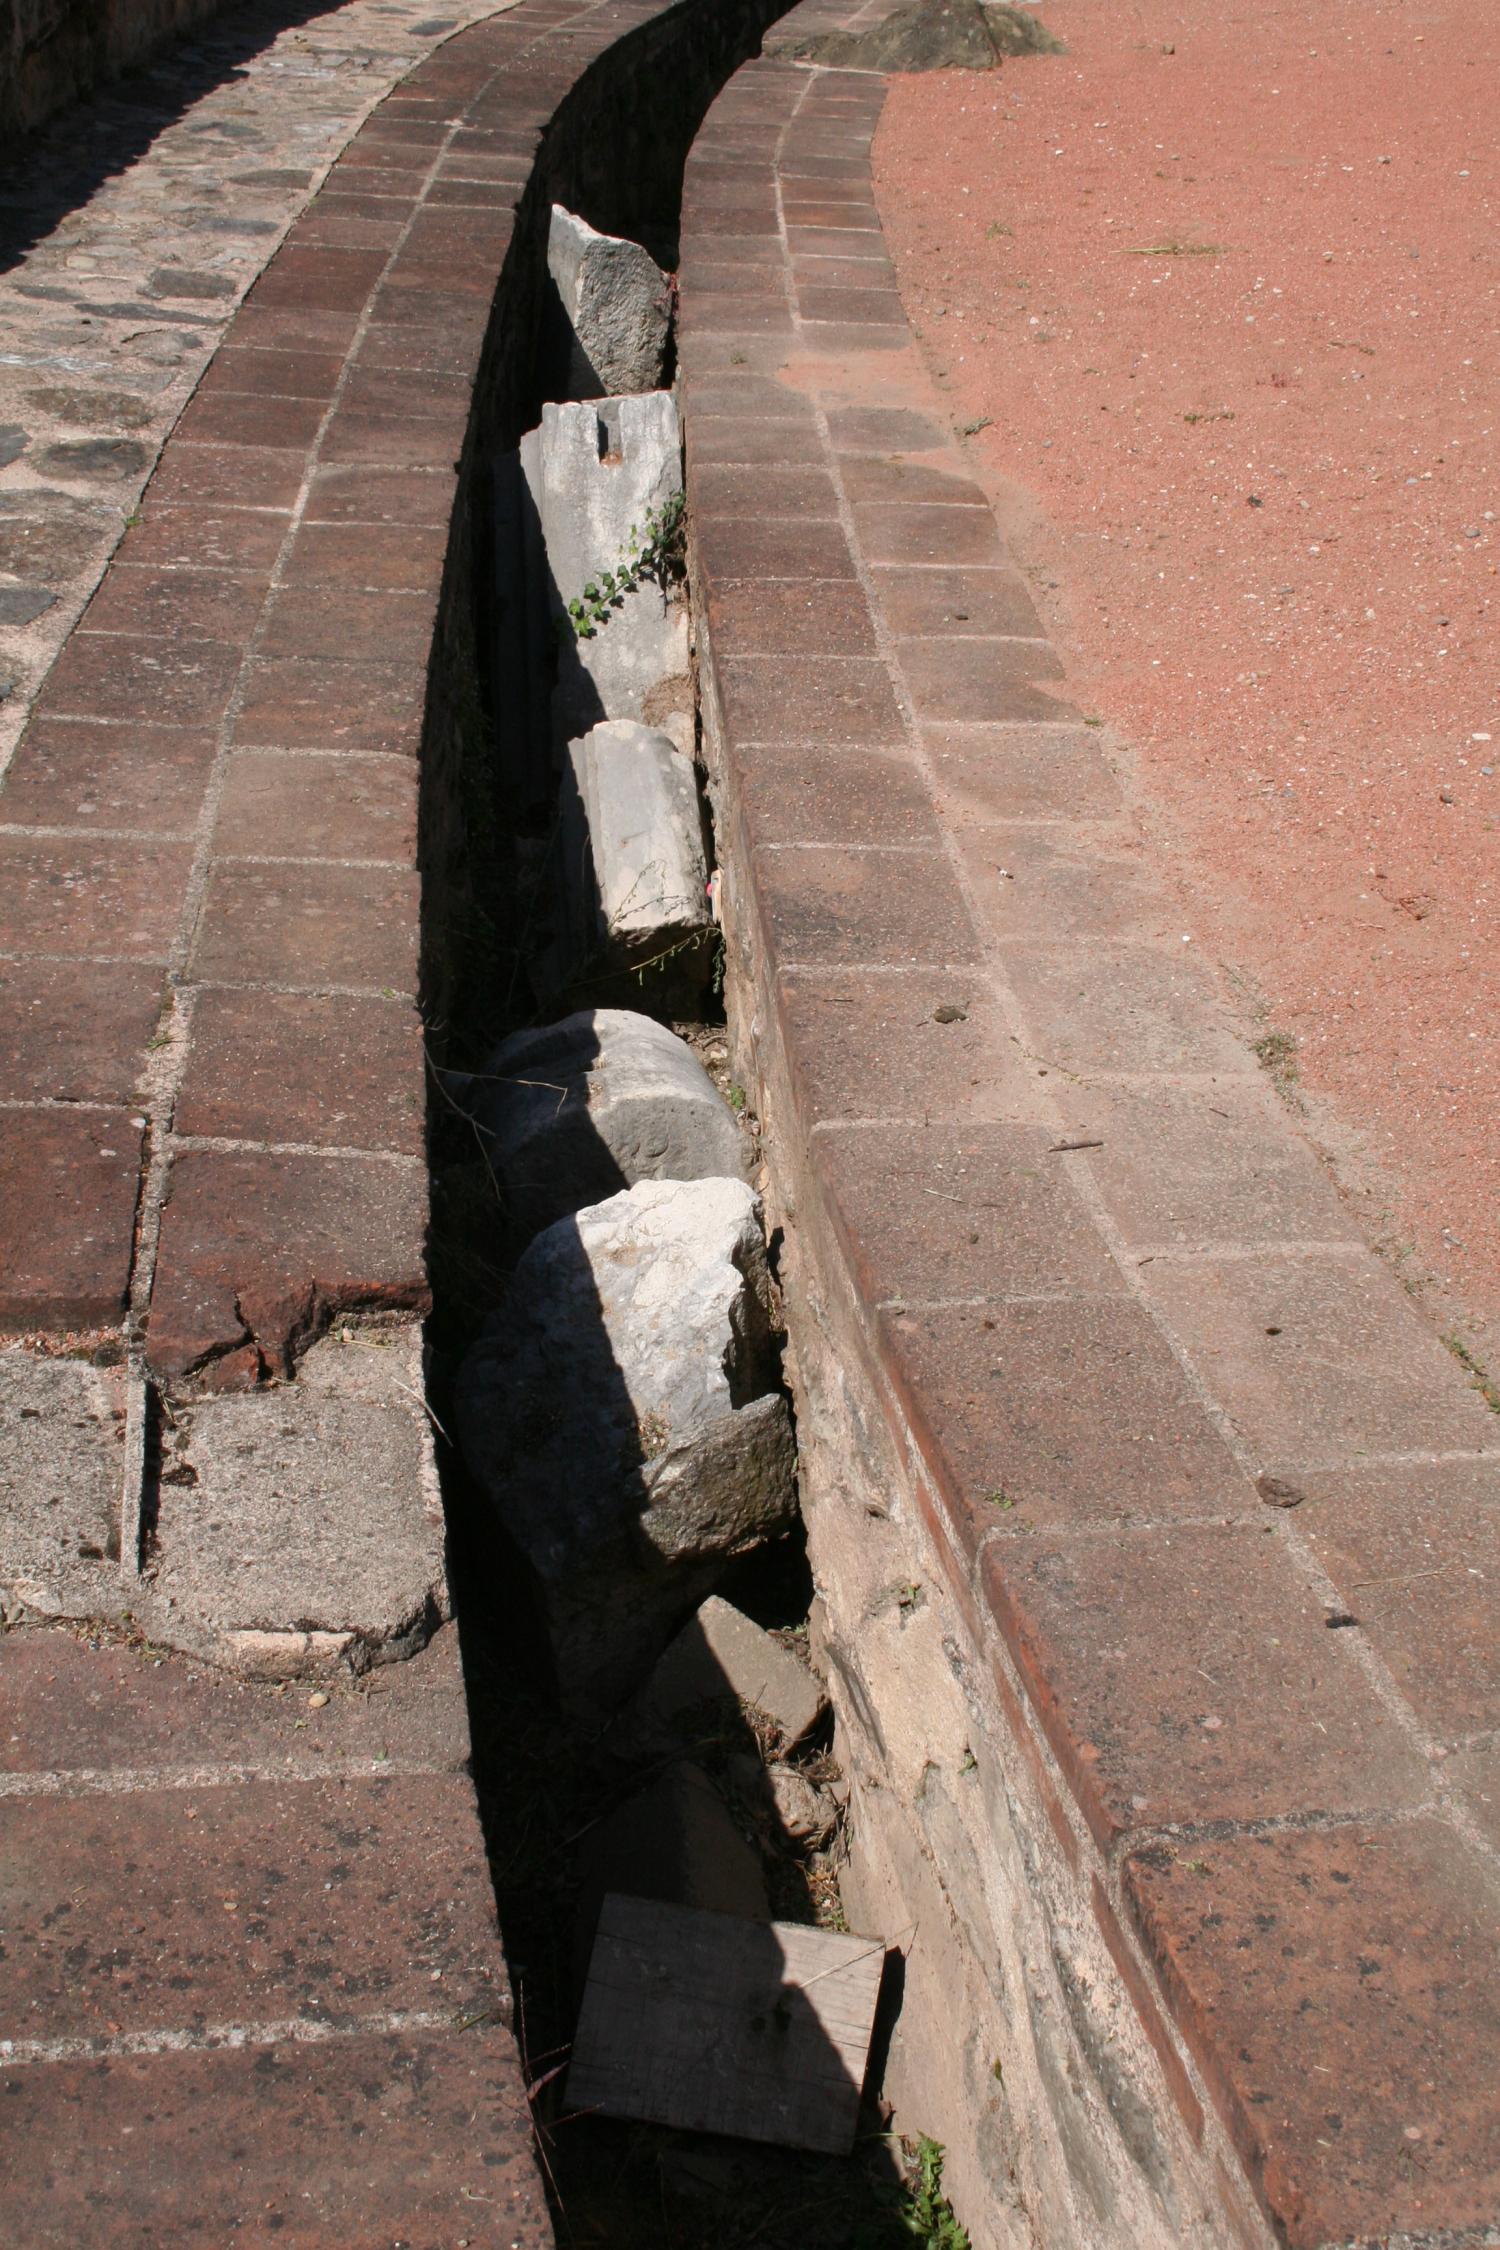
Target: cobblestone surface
[[127, 239]]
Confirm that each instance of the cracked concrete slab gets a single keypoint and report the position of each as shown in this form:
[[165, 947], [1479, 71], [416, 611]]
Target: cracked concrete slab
[[299, 1529], [62, 1426]]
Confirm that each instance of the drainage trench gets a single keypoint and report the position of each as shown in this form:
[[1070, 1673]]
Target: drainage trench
[[616, 1440]]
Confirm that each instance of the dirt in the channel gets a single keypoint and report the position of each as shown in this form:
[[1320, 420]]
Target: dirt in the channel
[[1222, 285]]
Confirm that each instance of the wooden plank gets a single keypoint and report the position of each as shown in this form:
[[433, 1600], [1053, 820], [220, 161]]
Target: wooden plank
[[716, 2024]]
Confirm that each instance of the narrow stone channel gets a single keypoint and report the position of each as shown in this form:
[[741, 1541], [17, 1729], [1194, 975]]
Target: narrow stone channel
[[619, 1459]]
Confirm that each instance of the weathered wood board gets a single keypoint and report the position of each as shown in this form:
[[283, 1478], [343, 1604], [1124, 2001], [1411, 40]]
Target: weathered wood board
[[716, 2024]]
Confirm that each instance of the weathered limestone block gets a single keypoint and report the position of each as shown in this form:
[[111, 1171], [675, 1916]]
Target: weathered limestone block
[[617, 1410], [598, 476], [617, 305], [300, 1528], [635, 873], [573, 1113], [723, 1656]]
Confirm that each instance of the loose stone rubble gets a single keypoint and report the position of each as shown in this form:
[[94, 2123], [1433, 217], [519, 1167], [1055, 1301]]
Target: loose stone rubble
[[616, 306], [618, 1413], [571, 1114]]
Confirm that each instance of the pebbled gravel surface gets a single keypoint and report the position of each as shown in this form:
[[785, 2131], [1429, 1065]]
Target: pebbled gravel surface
[[1222, 286], [128, 234]]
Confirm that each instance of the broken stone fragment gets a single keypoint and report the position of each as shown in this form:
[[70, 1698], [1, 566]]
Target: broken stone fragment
[[571, 1114], [616, 309], [723, 1656], [930, 35], [603, 482], [790, 1810], [617, 1411], [635, 873]]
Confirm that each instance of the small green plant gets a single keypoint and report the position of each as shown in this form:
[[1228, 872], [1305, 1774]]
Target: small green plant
[[1276, 1052], [909, 1598], [927, 2214], [653, 553], [1000, 1498], [736, 1099], [1477, 1373]]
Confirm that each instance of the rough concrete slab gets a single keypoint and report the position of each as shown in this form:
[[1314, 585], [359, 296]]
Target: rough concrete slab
[[62, 1428], [300, 1529]]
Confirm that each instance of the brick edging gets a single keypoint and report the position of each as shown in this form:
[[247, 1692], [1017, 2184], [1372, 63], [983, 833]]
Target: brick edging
[[955, 961]]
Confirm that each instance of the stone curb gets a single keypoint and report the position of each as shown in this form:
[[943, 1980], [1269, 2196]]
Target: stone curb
[[1091, 1300]]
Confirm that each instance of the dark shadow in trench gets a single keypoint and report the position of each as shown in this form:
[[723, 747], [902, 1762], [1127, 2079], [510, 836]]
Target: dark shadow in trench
[[550, 1787]]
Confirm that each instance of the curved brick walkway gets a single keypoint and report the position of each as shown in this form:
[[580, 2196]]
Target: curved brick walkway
[[253, 1985], [1194, 1473]]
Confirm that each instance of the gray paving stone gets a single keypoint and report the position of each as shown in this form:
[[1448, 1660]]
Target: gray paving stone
[[61, 1455], [19, 605], [300, 1529]]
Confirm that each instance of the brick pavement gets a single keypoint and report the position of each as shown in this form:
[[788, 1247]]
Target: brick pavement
[[1203, 1481], [253, 1987], [253, 1982]]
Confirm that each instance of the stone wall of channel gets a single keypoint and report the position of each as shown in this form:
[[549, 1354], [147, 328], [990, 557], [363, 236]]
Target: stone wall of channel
[[57, 51]]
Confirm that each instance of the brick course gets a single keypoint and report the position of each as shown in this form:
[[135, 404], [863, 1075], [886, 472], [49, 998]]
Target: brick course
[[1085, 1288]]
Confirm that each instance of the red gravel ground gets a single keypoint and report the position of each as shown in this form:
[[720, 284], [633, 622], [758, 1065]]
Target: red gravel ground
[[1222, 281]]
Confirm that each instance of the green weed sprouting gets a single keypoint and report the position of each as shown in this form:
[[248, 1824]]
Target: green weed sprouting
[[928, 2214], [653, 554]]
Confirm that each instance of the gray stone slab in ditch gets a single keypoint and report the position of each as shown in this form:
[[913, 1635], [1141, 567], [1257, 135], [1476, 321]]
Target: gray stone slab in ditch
[[634, 869], [599, 476], [576, 1111], [722, 1654], [618, 1413], [300, 1528], [616, 305], [61, 1465]]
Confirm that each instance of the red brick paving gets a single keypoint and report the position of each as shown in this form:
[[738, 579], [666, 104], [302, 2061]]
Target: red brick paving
[[1077, 1257], [254, 1988]]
